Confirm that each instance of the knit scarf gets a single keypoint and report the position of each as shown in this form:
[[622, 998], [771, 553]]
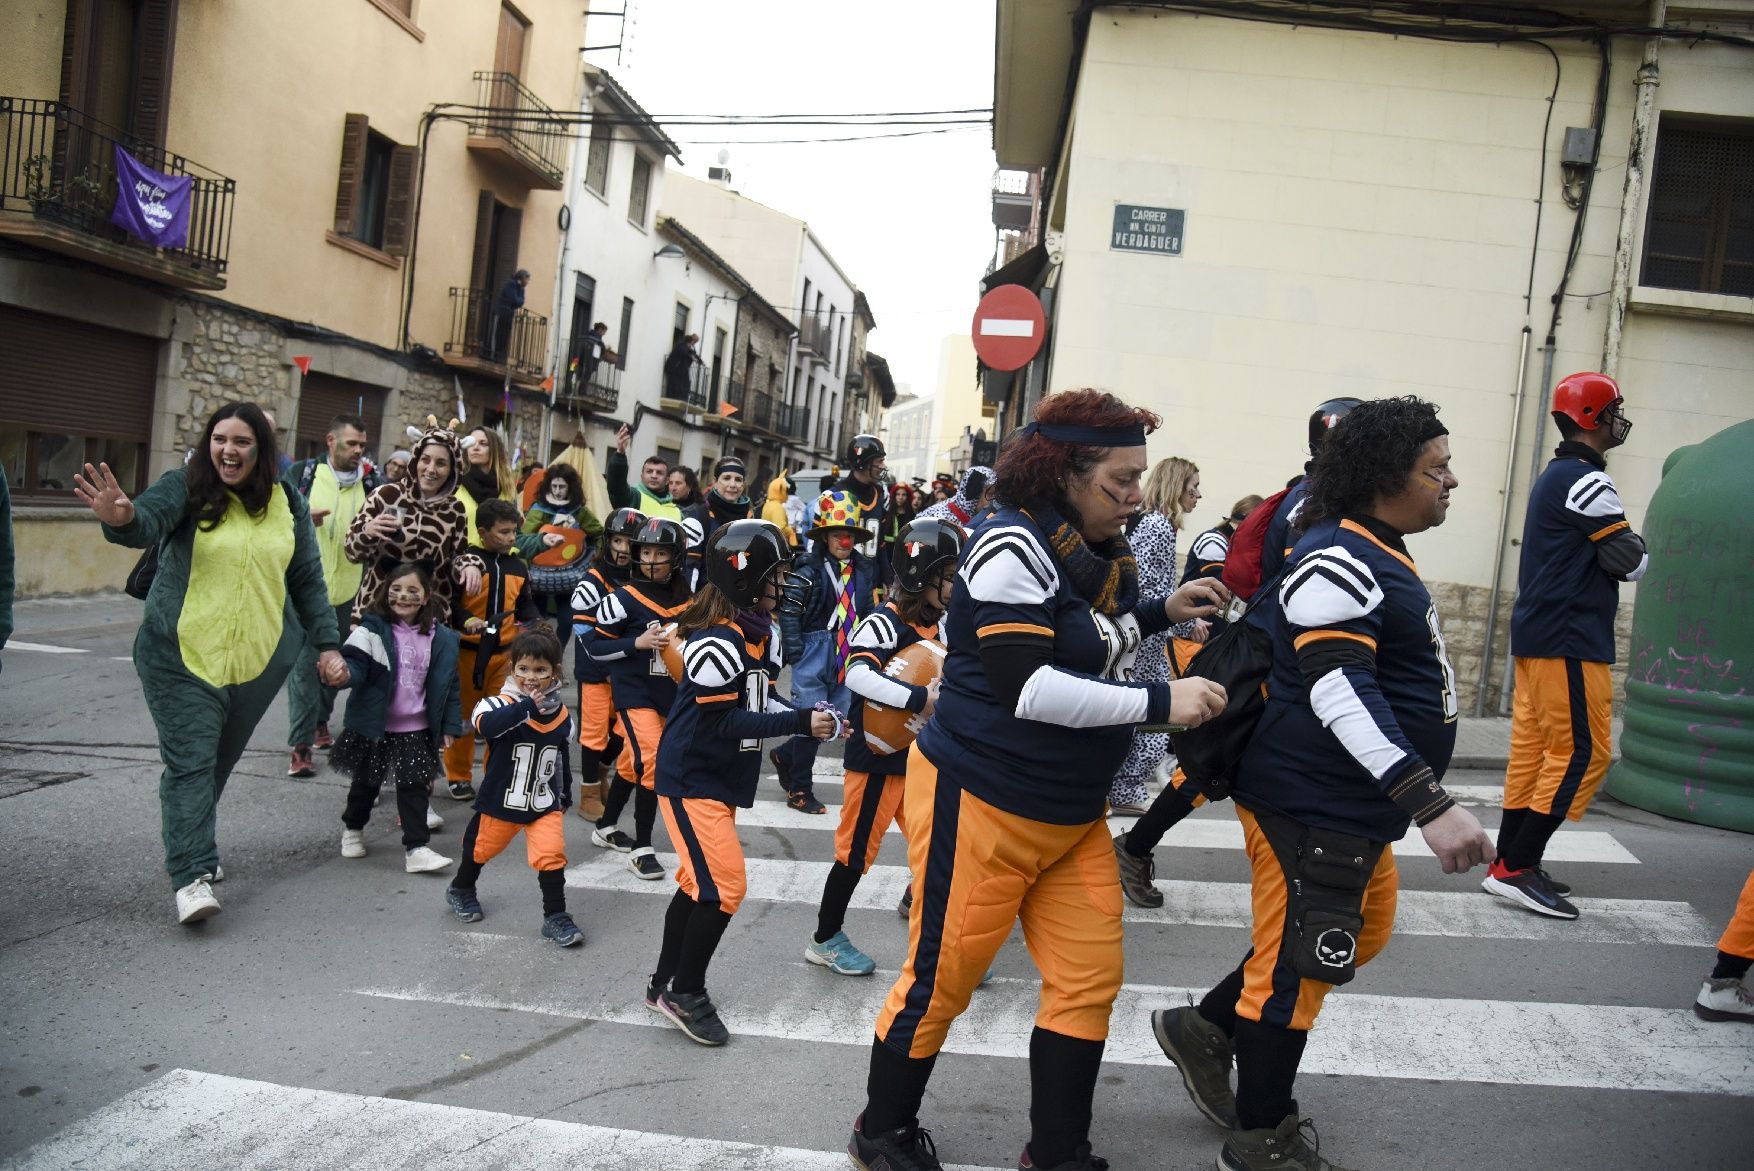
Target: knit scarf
[[755, 626], [1105, 575], [481, 483]]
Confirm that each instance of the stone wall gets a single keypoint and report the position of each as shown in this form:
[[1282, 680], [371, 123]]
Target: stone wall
[[1461, 615], [218, 355]]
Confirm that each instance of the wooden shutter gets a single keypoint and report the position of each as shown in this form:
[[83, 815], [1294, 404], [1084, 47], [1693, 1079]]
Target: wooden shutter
[[154, 45], [479, 276], [352, 172], [399, 202]]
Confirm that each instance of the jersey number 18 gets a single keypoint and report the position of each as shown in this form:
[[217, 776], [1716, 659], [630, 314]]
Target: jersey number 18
[[518, 794]]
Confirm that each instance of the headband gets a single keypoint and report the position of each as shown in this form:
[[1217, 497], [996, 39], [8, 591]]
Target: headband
[[1132, 435], [729, 464], [1431, 430]]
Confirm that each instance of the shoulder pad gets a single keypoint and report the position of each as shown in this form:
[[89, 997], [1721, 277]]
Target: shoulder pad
[[1009, 564], [1593, 496], [1329, 586], [1210, 546], [876, 631], [711, 661], [691, 526], [610, 611]]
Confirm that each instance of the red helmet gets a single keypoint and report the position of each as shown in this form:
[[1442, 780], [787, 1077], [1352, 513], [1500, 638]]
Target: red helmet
[[1585, 398]]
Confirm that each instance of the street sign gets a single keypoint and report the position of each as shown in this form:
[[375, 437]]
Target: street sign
[[1009, 327], [1147, 229]]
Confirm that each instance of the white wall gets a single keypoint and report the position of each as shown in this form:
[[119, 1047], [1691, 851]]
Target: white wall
[[712, 304], [823, 386], [1360, 213]]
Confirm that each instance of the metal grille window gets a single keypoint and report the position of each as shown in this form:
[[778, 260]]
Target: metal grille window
[[641, 192], [597, 159], [1700, 233]]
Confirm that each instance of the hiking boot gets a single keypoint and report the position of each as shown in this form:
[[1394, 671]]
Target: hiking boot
[[1526, 888], [464, 905], [1137, 875], [195, 902], [694, 1014], [1724, 1000], [301, 765], [611, 839], [1081, 1160], [805, 802], [462, 791], [906, 1148], [353, 843], [424, 860], [1203, 1055], [838, 954], [562, 930], [644, 862], [322, 739], [1280, 1149]]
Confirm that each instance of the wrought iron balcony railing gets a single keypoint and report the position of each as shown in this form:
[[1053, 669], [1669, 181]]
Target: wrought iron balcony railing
[[523, 124], [517, 341], [585, 389]]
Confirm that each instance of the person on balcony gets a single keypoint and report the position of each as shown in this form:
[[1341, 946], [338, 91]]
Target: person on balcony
[[679, 366], [505, 312]]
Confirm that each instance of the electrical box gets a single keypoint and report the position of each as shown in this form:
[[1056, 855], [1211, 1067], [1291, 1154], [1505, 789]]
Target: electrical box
[[1580, 147]]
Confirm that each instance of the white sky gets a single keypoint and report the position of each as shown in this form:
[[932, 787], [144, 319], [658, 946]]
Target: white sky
[[908, 219]]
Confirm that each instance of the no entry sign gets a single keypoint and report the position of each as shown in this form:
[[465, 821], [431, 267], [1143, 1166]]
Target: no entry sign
[[1009, 327]]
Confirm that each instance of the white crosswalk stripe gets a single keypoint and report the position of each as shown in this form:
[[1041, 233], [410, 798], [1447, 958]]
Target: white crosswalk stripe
[[1599, 1046], [1465, 914], [192, 1119]]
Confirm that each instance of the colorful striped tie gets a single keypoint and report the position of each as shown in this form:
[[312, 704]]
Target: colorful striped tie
[[845, 615]]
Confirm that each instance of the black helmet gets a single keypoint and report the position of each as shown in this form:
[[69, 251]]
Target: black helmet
[[623, 522], [1326, 417], [663, 533], [742, 556], [863, 451], [923, 548]]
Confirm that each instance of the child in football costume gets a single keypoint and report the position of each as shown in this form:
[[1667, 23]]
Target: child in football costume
[[599, 742], [710, 760], [403, 712], [925, 565], [630, 641], [526, 784]]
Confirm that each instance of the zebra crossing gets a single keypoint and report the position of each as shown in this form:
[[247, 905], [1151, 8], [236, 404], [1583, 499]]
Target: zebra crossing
[[1370, 1033]]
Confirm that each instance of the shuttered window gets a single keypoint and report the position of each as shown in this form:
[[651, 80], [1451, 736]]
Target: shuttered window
[[323, 396], [374, 190], [1700, 232], [72, 393]]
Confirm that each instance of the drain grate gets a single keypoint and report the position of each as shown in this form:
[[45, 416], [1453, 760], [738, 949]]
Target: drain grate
[[14, 781]]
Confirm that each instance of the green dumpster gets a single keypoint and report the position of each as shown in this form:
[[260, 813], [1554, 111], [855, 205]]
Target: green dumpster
[[1687, 750]]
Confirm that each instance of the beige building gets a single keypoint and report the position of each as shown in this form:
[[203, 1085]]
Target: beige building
[[367, 175], [1244, 218]]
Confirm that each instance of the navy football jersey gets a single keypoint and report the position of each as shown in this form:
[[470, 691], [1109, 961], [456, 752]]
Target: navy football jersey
[[526, 774], [637, 678], [598, 583], [1565, 597], [1206, 555], [724, 708], [1010, 584], [1276, 544], [1361, 691], [875, 640]]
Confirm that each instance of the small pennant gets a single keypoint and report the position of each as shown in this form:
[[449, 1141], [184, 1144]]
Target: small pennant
[[303, 362]]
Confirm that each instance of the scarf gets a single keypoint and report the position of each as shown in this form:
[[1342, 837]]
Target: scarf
[[481, 483], [725, 511], [1105, 575], [755, 626]]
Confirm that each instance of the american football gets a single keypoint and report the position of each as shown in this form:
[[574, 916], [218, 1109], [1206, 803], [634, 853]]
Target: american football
[[891, 729], [672, 652]]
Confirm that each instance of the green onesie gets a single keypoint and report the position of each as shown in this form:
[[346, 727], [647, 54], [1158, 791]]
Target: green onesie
[[224, 622]]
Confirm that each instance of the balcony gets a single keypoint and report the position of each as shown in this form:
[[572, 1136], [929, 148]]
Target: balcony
[[793, 422], [1014, 196], [58, 187], [815, 339], [760, 411], [518, 131], [578, 395], [485, 343]]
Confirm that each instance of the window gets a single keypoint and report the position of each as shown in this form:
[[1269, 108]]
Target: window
[[42, 463], [1700, 233], [679, 327], [597, 158], [640, 192], [374, 192], [626, 332]]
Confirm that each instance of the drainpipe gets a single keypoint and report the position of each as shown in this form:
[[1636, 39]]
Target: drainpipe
[[1516, 418], [1638, 161]]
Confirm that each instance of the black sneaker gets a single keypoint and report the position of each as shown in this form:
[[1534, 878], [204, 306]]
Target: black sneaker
[[464, 904], [1081, 1160], [1553, 884], [562, 930], [694, 1014], [644, 862], [1527, 888], [805, 802], [611, 839], [906, 1148], [780, 768], [462, 791]]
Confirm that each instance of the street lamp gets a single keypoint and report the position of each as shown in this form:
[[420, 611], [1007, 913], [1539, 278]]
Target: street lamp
[[669, 252]]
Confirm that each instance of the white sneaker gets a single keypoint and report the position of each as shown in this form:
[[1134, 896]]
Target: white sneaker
[[196, 902], [1718, 1000], [218, 873], [433, 820], [353, 843], [423, 860]]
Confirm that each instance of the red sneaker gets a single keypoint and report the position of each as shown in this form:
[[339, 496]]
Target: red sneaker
[[323, 739], [302, 765]]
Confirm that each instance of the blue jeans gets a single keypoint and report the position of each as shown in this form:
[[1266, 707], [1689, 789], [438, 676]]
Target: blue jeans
[[815, 677]]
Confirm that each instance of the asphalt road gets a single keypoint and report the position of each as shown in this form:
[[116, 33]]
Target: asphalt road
[[335, 1015]]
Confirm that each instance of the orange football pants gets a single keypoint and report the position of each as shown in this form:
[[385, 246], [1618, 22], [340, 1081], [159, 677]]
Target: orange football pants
[[1272, 991], [544, 839], [977, 870], [1738, 937], [460, 756], [641, 729], [710, 865], [596, 714], [868, 805], [1560, 736]]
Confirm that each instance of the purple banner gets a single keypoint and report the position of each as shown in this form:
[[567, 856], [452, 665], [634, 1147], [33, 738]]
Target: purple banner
[[151, 206]]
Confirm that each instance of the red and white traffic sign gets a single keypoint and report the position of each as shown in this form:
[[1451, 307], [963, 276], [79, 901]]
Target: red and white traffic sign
[[1009, 327]]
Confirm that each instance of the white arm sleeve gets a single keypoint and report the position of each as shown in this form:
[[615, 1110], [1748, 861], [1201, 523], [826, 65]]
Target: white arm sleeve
[[1052, 696], [862, 680]]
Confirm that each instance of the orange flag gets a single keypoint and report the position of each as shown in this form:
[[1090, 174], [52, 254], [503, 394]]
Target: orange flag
[[727, 410], [548, 383]]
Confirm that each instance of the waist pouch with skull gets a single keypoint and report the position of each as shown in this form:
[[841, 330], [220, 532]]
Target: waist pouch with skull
[[1326, 873]]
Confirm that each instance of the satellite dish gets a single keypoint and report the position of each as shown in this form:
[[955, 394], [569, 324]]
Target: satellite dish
[[724, 157]]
